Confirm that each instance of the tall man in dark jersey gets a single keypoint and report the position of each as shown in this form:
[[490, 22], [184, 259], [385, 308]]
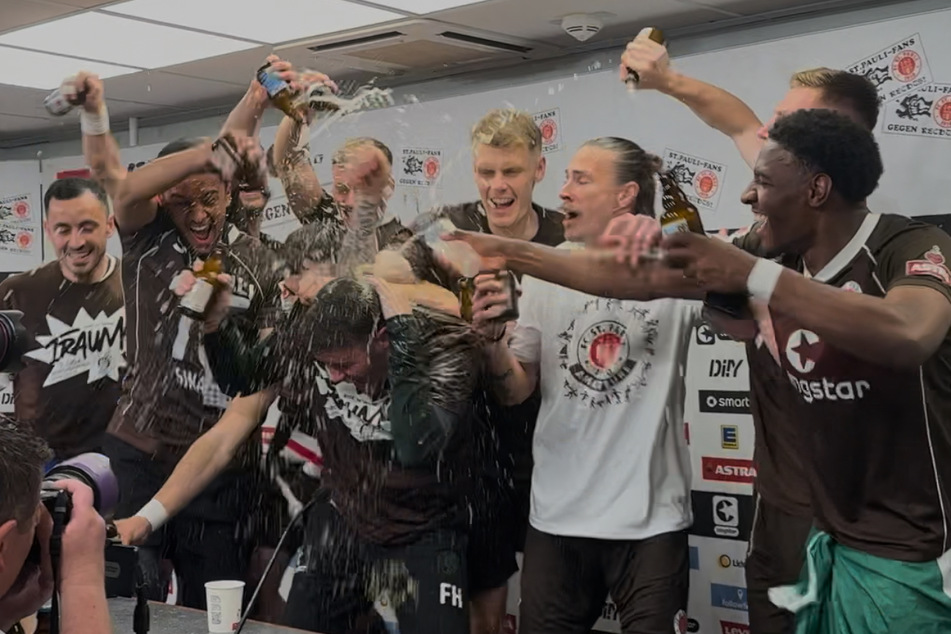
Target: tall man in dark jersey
[[169, 213], [507, 163], [864, 333], [783, 514], [73, 308]]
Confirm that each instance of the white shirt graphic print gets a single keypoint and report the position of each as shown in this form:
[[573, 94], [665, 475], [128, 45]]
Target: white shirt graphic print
[[611, 459]]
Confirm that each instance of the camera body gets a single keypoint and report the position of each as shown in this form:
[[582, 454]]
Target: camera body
[[94, 471]]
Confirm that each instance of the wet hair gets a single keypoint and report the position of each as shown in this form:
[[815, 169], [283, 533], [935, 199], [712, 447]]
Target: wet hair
[[855, 93], [633, 163], [345, 313], [74, 187], [505, 128], [828, 142], [23, 455], [340, 156]]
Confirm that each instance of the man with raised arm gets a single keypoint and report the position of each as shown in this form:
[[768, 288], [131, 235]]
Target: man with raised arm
[[171, 213], [783, 513]]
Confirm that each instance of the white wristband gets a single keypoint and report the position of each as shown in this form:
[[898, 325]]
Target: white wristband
[[763, 279], [94, 124], [154, 513]]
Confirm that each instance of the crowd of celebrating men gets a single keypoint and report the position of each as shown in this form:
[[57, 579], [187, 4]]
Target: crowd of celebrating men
[[334, 388]]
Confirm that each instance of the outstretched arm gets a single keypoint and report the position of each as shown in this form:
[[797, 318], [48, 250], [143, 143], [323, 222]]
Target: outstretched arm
[[714, 106], [205, 460]]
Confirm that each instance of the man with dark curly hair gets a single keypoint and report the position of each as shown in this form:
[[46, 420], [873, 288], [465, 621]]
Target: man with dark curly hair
[[388, 391]]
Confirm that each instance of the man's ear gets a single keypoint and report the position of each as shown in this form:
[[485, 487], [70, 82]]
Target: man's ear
[[820, 188], [5, 529]]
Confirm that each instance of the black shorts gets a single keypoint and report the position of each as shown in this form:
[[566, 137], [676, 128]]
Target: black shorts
[[347, 584], [210, 539], [492, 539], [566, 580], [775, 558]]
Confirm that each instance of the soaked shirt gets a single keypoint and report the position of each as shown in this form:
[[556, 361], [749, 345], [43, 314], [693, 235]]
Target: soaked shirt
[[397, 463], [169, 396]]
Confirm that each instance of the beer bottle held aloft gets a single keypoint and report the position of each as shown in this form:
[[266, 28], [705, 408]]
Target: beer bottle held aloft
[[682, 215], [195, 302], [633, 78], [279, 92]]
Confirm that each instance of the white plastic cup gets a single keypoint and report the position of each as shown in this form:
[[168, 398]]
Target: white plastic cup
[[224, 600]]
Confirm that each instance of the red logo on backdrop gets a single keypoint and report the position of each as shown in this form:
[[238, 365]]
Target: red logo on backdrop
[[705, 183], [734, 628], [431, 167], [728, 470], [549, 130], [941, 112], [906, 66], [83, 173], [24, 239], [933, 266], [21, 209], [510, 626]]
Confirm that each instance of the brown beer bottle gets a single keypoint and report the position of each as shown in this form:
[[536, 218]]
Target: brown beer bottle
[[682, 215], [195, 302], [679, 213], [632, 77], [279, 92]]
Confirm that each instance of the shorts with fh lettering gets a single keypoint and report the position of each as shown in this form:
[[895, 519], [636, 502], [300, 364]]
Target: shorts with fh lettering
[[347, 584]]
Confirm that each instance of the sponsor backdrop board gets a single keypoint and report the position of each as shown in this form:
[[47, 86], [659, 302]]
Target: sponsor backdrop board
[[906, 58]]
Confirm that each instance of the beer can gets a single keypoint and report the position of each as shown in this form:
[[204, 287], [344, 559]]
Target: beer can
[[57, 103]]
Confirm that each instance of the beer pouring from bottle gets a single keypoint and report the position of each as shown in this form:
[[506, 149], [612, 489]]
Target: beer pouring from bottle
[[633, 78], [196, 302]]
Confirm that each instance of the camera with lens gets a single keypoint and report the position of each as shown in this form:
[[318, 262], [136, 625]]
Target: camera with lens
[[93, 470], [14, 340]]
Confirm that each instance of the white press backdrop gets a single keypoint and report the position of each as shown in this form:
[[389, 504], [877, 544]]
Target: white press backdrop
[[906, 57]]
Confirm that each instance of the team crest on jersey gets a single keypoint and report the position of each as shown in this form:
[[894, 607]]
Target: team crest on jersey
[[933, 265], [91, 345], [607, 361], [852, 286]]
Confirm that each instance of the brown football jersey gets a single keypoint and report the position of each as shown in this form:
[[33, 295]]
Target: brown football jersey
[[877, 438], [70, 381]]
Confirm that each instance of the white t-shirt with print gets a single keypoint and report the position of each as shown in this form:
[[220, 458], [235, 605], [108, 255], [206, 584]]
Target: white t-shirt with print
[[611, 458]]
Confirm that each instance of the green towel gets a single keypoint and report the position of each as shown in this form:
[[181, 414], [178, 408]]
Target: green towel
[[846, 591]]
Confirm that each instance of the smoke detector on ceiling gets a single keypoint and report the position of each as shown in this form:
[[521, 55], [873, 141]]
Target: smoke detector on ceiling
[[581, 26]]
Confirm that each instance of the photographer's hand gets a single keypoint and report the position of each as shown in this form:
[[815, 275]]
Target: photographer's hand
[[82, 567], [26, 597]]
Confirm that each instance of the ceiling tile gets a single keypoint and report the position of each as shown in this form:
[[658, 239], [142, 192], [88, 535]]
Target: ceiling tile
[[233, 17], [15, 14], [109, 38]]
